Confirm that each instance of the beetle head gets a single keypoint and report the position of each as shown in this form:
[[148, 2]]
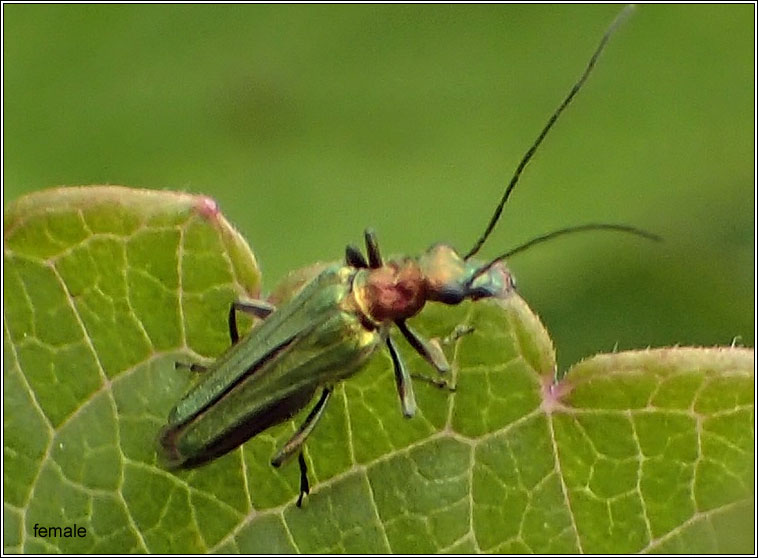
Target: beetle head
[[450, 279]]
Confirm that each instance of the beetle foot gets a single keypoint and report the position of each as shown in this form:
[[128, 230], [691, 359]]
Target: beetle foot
[[438, 382]]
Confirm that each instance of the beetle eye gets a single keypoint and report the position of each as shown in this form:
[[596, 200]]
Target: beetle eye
[[451, 295], [483, 291]]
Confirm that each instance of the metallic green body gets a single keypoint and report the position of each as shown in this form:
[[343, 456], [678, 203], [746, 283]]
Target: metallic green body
[[324, 333], [313, 340]]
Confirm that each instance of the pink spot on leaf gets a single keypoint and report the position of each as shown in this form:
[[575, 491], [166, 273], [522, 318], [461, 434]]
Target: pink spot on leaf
[[553, 392], [207, 207]]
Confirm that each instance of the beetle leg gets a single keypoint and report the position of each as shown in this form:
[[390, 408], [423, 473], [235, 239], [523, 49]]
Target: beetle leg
[[372, 249], [258, 308], [459, 331], [354, 258], [305, 487], [430, 350], [193, 366], [403, 382], [295, 443], [438, 382]]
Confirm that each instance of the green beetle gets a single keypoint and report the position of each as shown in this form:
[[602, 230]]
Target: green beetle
[[327, 330]]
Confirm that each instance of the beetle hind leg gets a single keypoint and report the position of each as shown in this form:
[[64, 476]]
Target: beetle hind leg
[[305, 487], [296, 443]]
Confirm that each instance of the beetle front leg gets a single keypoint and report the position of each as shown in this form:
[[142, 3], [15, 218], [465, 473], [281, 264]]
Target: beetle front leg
[[354, 258], [459, 331], [430, 350], [437, 382], [403, 382], [372, 248], [295, 443]]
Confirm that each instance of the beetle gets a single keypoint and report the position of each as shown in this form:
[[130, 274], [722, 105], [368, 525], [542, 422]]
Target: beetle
[[331, 326]]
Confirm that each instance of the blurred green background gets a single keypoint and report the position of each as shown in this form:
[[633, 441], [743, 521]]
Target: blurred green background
[[309, 123]]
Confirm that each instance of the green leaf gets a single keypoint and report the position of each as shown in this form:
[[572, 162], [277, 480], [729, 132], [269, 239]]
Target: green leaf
[[106, 287]]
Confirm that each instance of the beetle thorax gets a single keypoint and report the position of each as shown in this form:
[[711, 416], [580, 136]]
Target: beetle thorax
[[392, 292]]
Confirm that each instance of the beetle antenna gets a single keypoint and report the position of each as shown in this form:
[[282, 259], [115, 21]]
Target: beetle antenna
[[560, 232], [531, 151]]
